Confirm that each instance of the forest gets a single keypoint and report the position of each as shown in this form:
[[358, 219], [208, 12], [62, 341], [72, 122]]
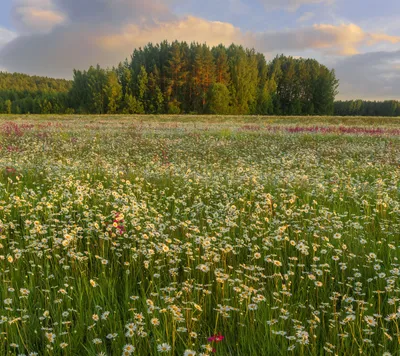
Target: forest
[[182, 78], [23, 94], [367, 108]]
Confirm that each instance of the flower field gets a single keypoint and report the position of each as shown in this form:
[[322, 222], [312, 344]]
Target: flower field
[[208, 236]]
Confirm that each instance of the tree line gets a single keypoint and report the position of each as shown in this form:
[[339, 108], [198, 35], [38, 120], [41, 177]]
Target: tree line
[[22, 94], [367, 108], [177, 78], [180, 78]]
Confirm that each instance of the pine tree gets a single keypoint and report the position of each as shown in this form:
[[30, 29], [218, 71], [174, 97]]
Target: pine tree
[[113, 92], [222, 74], [8, 105], [141, 90], [218, 99], [177, 71]]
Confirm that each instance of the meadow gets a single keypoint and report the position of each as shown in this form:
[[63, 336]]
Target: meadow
[[199, 235]]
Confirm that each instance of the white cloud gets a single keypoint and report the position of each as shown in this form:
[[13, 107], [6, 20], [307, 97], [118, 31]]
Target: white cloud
[[345, 39], [36, 16], [188, 29], [39, 20], [6, 36], [340, 40]]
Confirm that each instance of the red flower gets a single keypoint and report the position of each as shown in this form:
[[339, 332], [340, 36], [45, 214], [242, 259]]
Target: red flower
[[216, 338]]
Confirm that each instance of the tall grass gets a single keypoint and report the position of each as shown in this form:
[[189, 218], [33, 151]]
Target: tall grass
[[183, 237]]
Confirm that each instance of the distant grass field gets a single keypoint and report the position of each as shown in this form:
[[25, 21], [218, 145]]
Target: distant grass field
[[199, 235]]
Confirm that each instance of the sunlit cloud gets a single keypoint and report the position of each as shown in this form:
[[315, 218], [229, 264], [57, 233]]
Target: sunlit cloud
[[36, 16]]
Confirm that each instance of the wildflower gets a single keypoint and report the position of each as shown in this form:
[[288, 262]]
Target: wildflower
[[189, 353], [129, 348], [50, 337], [24, 291], [164, 347], [203, 268], [105, 315], [131, 326], [193, 335], [370, 320], [216, 338], [155, 321], [111, 336]]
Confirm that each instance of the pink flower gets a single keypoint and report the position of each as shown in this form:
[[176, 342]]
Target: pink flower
[[216, 338]]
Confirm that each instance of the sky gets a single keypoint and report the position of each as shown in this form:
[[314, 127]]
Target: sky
[[360, 39]]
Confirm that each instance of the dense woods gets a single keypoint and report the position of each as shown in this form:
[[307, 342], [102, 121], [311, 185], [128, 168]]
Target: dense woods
[[181, 78], [367, 108], [21, 94]]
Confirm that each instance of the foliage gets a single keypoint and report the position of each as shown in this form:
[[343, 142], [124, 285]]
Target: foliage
[[176, 78], [367, 108], [218, 99], [22, 94]]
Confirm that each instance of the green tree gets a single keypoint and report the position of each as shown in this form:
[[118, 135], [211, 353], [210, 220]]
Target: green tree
[[132, 105], [113, 92], [244, 75], [218, 99], [8, 106], [141, 89], [175, 77], [177, 71], [97, 86], [222, 74], [156, 97]]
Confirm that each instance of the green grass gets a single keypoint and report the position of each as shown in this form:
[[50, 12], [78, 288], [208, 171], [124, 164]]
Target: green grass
[[284, 242]]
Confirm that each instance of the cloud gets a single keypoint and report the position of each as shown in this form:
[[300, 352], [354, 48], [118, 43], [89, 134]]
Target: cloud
[[382, 37], [117, 12], [338, 40], [6, 36], [291, 5], [81, 44], [79, 33], [55, 54], [373, 76], [36, 16], [307, 16], [189, 29], [344, 40]]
